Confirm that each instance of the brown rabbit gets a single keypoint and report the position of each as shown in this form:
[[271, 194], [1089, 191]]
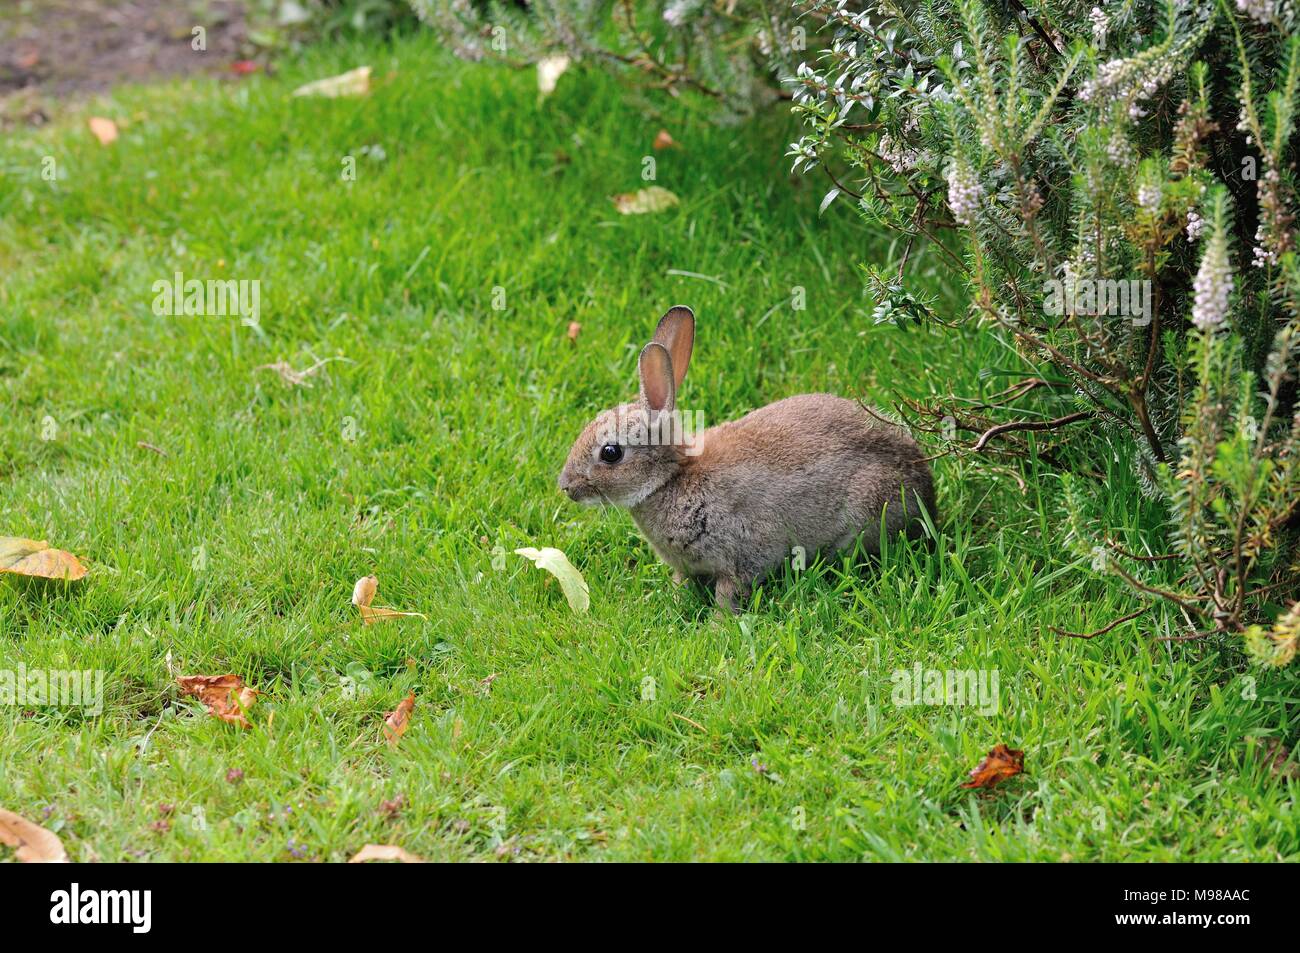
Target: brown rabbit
[[731, 503]]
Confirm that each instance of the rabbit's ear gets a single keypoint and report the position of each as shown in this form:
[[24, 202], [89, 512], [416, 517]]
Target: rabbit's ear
[[676, 332], [657, 387]]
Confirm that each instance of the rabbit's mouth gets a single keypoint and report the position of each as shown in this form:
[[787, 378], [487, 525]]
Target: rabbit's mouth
[[579, 490]]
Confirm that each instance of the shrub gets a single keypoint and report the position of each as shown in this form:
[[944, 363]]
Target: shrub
[[277, 24], [729, 52], [1115, 188]]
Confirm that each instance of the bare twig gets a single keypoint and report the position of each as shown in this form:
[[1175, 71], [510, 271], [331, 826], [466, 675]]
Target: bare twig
[[1105, 628], [1029, 425]]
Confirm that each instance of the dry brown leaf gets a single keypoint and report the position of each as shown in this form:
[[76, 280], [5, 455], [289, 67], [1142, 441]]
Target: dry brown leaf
[[294, 378], [574, 330], [225, 696], [998, 765], [385, 852], [363, 593], [665, 141], [105, 130], [398, 721], [1276, 755], [32, 557], [34, 844]]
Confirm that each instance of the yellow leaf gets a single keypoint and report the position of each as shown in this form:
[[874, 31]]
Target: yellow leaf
[[362, 595], [34, 844], [31, 557], [385, 852], [653, 199], [105, 130], [352, 83], [557, 564]]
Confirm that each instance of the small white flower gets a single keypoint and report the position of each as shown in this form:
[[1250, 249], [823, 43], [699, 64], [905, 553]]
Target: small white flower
[[1149, 198], [1100, 25], [675, 13], [1213, 284], [1261, 11], [963, 192]]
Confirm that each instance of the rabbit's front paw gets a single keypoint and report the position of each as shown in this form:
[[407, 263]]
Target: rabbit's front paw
[[725, 591]]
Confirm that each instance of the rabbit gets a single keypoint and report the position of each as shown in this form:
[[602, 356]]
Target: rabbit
[[730, 504]]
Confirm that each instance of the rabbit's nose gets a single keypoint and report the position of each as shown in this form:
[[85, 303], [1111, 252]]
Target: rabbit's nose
[[566, 482]]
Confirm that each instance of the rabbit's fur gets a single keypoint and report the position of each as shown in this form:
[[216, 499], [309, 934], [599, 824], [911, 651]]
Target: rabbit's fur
[[814, 471]]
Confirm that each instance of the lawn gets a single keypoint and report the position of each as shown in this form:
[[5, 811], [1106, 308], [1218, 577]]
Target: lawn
[[225, 513]]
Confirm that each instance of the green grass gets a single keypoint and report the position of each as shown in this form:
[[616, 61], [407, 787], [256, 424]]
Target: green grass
[[463, 414]]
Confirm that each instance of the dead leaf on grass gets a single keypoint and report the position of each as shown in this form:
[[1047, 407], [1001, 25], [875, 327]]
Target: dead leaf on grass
[[385, 852], [225, 696], [398, 721], [998, 765], [557, 564], [33, 843], [105, 130], [294, 378], [33, 557], [643, 201], [665, 141], [352, 83], [363, 593]]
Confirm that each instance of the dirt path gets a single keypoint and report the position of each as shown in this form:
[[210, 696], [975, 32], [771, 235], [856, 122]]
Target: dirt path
[[60, 48]]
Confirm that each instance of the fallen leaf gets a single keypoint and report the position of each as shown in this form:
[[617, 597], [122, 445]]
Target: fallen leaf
[[998, 765], [549, 71], [398, 721], [385, 852], [28, 58], [557, 564], [34, 844], [653, 199], [574, 330], [243, 67], [225, 696], [1276, 755], [31, 557], [105, 130], [362, 595], [665, 141], [352, 83], [294, 378]]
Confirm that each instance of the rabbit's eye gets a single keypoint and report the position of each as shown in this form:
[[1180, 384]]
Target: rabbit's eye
[[611, 453]]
